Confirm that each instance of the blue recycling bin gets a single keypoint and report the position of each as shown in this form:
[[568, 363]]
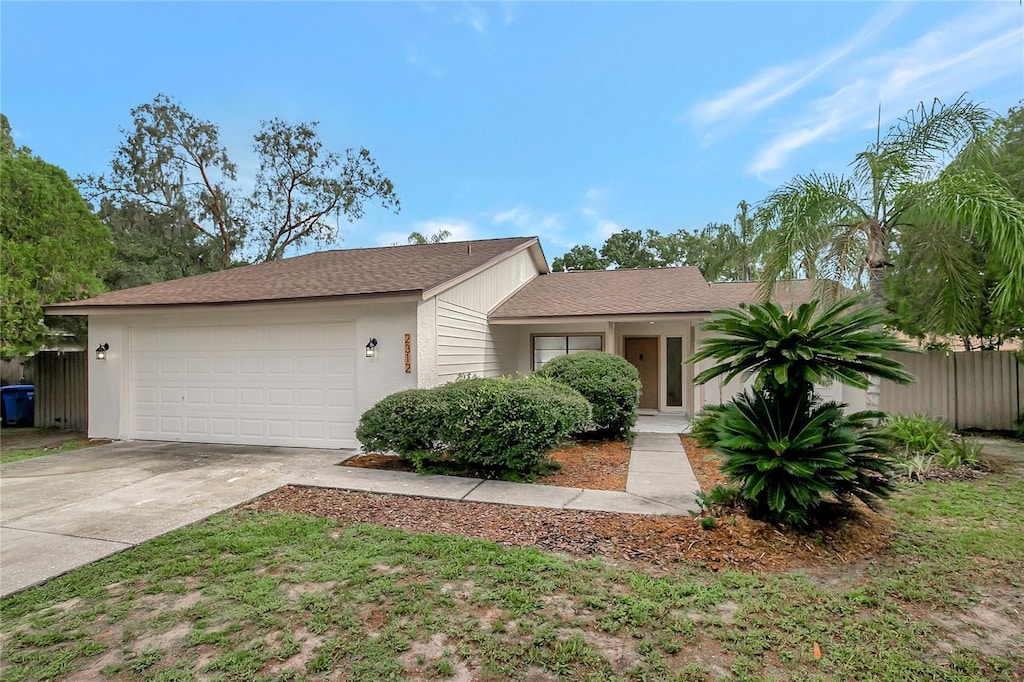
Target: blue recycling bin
[[19, 405]]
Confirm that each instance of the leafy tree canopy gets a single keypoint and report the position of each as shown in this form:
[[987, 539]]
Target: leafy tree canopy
[[938, 266], [52, 246], [722, 252], [173, 165]]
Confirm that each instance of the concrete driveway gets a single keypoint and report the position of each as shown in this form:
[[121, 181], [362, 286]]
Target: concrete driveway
[[66, 510]]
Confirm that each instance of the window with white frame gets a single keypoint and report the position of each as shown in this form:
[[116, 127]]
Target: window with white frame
[[546, 347]]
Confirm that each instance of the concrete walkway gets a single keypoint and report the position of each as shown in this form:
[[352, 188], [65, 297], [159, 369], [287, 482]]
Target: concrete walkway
[[660, 481]]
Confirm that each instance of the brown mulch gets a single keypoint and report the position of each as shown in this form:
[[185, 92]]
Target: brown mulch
[[736, 542], [595, 465]]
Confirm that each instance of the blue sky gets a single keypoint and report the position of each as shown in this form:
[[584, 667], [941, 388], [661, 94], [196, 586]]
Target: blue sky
[[565, 120]]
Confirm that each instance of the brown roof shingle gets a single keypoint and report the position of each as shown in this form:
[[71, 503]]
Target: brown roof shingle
[[652, 291], [609, 292], [349, 272]]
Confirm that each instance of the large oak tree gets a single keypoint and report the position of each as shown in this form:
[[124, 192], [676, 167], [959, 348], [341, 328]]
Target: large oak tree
[[174, 166]]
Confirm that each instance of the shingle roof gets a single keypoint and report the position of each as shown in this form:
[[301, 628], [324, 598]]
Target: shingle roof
[[350, 272], [609, 292], [787, 293], [652, 291]]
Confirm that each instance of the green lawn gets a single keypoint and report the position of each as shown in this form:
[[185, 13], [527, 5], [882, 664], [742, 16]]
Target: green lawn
[[263, 596], [16, 455]]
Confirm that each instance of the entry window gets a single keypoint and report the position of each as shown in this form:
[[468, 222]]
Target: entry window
[[674, 371], [547, 347]]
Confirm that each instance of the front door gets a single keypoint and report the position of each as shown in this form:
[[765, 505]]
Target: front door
[[642, 352]]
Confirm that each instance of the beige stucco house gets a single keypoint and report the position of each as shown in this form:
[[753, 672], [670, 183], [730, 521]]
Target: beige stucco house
[[292, 352]]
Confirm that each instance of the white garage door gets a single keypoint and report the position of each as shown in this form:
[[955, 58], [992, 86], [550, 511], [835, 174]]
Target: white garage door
[[262, 385]]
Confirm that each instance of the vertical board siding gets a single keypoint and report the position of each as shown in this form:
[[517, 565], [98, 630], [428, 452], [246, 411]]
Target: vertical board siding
[[465, 344], [485, 290], [970, 390], [62, 390]]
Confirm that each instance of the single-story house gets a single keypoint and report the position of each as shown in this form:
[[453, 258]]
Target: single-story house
[[292, 352]]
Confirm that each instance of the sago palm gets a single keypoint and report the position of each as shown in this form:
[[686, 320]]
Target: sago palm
[[790, 351], [790, 453]]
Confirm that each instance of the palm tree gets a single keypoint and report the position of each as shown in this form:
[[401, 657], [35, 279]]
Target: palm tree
[[436, 238], [843, 228]]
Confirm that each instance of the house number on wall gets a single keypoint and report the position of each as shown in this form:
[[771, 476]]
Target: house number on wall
[[408, 353]]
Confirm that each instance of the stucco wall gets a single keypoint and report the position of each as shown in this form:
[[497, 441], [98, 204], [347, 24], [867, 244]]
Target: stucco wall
[[110, 396]]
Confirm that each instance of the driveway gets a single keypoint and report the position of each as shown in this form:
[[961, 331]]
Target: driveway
[[66, 510]]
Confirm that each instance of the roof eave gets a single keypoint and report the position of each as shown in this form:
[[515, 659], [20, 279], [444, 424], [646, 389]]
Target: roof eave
[[600, 317], [126, 308]]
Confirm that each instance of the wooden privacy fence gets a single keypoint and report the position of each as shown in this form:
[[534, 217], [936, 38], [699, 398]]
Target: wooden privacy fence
[[970, 390], [62, 390]]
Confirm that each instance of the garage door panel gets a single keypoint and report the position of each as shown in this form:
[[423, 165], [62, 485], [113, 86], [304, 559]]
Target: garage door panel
[[223, 365], [280, 365], [250, 365], [172, 366], [280, 397], [309, 397], [224, 396], [278, 385]]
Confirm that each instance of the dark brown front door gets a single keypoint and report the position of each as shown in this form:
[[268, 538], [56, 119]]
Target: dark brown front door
[[643, 353]]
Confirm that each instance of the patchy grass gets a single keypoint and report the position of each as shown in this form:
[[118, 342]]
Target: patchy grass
[[16, 455], [270, 596]]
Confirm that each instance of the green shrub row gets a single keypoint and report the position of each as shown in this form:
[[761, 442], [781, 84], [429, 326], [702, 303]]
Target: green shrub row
[[610, 383], [496, 426]]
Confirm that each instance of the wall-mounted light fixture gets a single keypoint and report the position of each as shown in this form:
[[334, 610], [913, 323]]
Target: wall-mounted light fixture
[[371, 348], [101, 351]]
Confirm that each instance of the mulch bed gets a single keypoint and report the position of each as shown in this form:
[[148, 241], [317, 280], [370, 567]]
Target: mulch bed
[[736, 542], [595, 465]]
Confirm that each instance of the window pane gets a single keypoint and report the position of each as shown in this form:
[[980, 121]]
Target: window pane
[[540, 356], [549, 343], [584, 343], [674, 371]]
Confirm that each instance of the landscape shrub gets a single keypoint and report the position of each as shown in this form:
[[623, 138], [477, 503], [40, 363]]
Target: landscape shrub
[[918, 434], [922, 443], [406, 423], [786, 449], [509, 425], [789, 454], [494, 426], [610, 383], [702, 426]]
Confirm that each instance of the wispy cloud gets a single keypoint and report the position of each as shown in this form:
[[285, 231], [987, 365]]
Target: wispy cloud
[[775, 84], [849, 82], [473, 16]]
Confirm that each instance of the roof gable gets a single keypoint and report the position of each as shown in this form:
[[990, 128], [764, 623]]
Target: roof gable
[[393, 270]]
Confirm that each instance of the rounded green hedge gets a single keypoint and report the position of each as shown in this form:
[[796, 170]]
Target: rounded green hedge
[[497, 425], [609, 382], [407, 422]]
